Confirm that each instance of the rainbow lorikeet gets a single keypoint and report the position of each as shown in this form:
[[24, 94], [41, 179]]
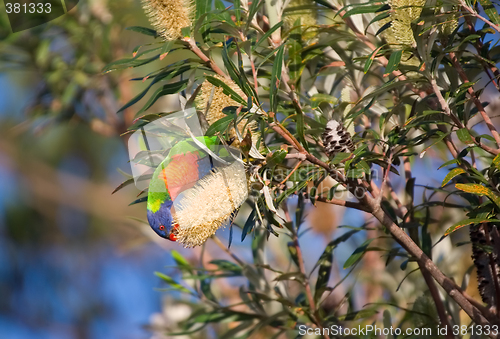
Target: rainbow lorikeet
[[185, 164]]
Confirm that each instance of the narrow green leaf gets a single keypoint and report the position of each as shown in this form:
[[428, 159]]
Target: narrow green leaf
[[362, 10], [254, 7], [370, 59], [237, 10], [467, 222], [295, 64], [496, 162], [290, 276], [379, 17], [318, 98], [276, 158], [181, 262], [161, 76], [202, 7], [339, 157], [167, 46], [465, 137], [238, 77], [209, 317], [393, 63], [448, 163], [491, 11], [267, 35], [143, 199], [143, 30], [293, 252], [325, 267], [453, 173], [227, 266], [167, 89], [172, 282], [220, 125], [227, 90], [127, 63], [358, 315], [249, 224], [358, 253], [205, 286], [276, 78], [479, 190], [123, 184]]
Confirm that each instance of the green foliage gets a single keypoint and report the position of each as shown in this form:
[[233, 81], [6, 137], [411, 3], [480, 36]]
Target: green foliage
[[405, 76]]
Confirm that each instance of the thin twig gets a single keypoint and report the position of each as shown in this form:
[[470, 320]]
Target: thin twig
[[475, 14], [300, 156], [196, 50], [228, 252], [302, 269], [479, 47], [291, 172], [343, 203], [447, 111], [475, 99]]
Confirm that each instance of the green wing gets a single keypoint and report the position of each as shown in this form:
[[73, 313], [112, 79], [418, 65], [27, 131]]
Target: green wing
[[157, 192]]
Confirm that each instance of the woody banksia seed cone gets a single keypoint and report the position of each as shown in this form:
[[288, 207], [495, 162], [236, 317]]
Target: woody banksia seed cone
[[336, 139], [168, 17], [209, 204]]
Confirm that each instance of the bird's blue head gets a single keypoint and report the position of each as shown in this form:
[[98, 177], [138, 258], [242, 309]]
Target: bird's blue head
[[161, 221]]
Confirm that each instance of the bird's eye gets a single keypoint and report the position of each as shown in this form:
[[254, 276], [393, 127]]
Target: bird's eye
[[162, 228]]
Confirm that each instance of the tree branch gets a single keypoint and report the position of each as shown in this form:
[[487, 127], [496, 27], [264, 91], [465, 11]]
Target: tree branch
[[448, 285]]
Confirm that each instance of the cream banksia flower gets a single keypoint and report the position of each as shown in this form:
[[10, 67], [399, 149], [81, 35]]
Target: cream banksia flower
[[403, 12], [218, 101], [305, 11], [168, 17], [210, 203]]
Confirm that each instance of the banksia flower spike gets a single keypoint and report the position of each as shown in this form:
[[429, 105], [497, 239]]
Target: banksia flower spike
[[168, 17], [214, 97], [209, 204], [402, 14], [305, 11]]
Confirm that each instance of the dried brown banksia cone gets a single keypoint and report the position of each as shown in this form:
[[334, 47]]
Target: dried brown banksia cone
[[336, 139], [214, 98], [485, 240], [168, 17]]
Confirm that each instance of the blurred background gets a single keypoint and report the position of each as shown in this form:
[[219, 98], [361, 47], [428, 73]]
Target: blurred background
[[77, 261], [72, 262]]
